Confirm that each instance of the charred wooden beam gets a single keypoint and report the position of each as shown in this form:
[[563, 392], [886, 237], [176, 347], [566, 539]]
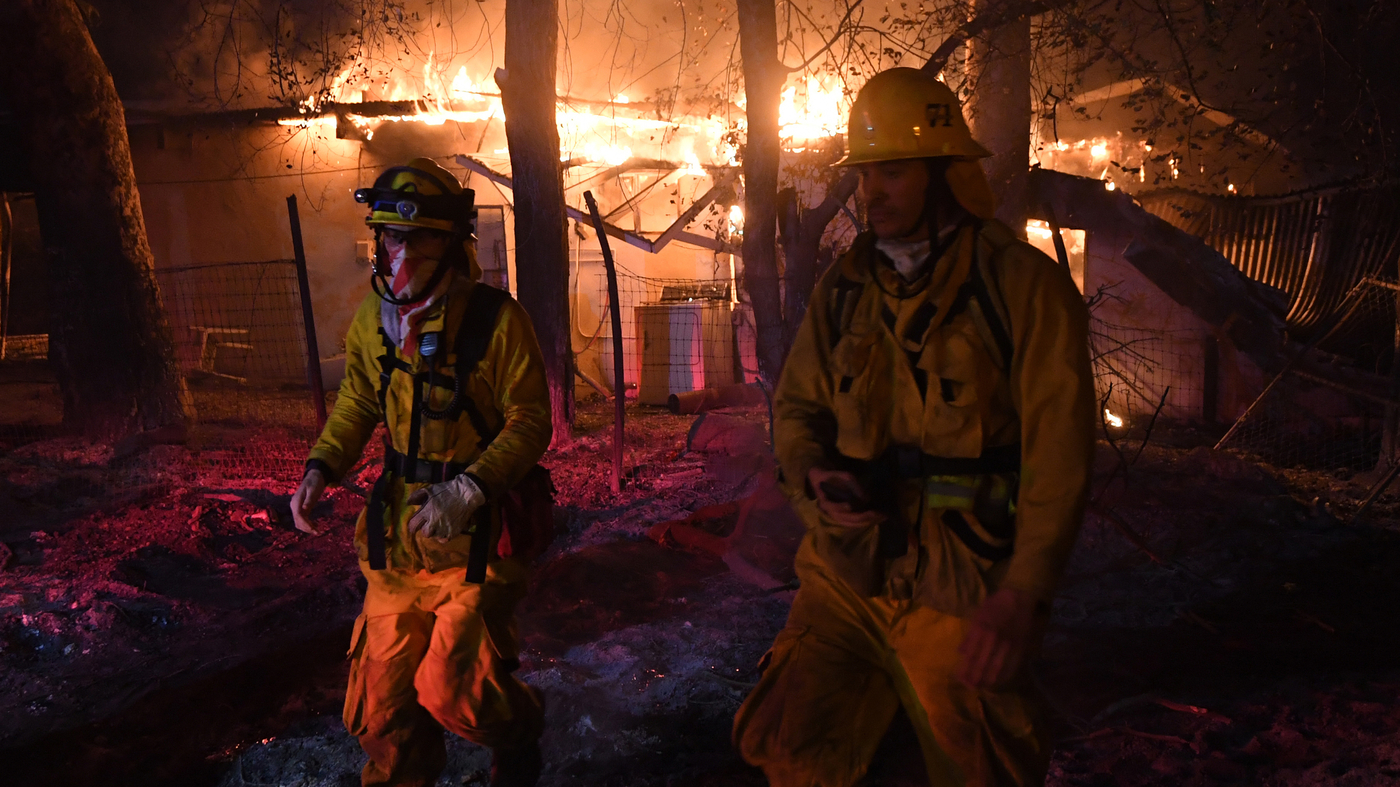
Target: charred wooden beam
[[1180, 264], [720, 192]]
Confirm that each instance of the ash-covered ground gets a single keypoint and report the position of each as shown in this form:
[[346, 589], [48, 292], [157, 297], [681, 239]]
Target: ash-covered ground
[[1221, 622]]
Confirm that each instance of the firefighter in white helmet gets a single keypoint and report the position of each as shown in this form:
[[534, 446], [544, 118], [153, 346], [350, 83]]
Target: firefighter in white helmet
[[934, 425]]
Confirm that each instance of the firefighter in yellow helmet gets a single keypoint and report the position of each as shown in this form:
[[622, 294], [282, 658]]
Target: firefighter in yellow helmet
[[934, 427], [452, 369]]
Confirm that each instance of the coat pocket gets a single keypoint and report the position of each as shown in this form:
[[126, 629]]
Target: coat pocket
[[862, 393], [853, 554], [960, 375], [455, 552]]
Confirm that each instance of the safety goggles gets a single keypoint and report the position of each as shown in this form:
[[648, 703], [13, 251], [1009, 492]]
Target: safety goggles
[[412, 237]]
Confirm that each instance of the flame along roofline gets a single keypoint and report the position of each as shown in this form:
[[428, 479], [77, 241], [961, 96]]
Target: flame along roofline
[[417, 109]]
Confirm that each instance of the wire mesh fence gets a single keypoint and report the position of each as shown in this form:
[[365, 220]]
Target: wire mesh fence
[[1141, 375], [239, 336], [678, 335], [1333, 406], [239, 339]]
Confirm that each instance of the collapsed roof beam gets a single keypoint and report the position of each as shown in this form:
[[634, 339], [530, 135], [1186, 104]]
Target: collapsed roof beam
[[621, 169], [145, 113], [1179, 264], [719, 193]]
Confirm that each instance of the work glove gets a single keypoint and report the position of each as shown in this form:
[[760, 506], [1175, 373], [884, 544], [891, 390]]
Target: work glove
[[447, 508]]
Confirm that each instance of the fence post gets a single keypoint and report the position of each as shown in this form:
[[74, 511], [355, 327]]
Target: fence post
[[615, 307], [313, 353]]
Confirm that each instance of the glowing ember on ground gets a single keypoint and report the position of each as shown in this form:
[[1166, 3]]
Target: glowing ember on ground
[[1112, 420]]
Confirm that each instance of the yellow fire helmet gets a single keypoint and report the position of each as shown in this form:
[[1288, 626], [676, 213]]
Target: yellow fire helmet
[[905, 113], [420, 194]]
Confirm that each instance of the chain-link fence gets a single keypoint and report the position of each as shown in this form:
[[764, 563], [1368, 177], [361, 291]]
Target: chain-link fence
[[1333, 405]]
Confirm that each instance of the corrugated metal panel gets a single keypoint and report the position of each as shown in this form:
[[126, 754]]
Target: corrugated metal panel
[[1314, 246]]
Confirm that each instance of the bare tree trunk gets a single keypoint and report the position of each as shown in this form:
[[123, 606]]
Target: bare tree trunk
[[802, 232], [541, 241], [999, 109], [763, 86], [110, 343]]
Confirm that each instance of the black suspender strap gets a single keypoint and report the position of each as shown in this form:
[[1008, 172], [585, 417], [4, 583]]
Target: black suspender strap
[[480, 551], [478, 326], [473, 340], [374, 521], [375, 511], [388, 362], [990, 315], [1000, 335], [840, 302]]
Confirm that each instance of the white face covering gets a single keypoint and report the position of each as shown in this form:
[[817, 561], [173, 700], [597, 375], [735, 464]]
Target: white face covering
[[408, 275], [909, 257]]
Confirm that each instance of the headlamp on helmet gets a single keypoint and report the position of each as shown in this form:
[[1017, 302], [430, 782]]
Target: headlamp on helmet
[[420, 194]]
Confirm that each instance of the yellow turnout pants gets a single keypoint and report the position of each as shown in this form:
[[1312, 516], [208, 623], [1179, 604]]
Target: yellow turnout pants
[[431, 651], [843, 665]]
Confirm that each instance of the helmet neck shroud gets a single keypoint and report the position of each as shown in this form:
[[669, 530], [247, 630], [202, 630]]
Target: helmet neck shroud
[[941, 206]]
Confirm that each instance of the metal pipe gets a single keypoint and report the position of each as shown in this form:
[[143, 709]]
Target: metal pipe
[[734, 395], [619, 384], [592, 383], [313, 353]]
